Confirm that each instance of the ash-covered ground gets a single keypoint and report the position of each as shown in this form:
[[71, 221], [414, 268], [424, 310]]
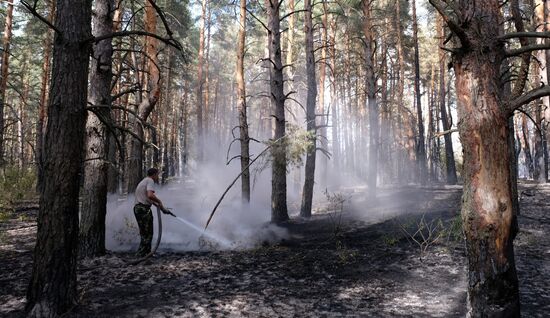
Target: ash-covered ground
[[349, 260]]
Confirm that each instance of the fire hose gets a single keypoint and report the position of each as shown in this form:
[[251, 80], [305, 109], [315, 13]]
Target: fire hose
[[159, 237]]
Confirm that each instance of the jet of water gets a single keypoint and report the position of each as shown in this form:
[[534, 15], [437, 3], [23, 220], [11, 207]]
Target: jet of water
[[222, 241]]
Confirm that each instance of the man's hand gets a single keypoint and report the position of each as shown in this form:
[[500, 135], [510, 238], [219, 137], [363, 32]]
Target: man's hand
[[166, 211]]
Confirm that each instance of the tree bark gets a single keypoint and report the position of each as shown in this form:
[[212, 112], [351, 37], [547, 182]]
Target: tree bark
[[307, 193], [52, 289], [334, 96], [41, 124], [96, 165], [4, 72], [488, 212], [540, 167], [449, 152], [279, 212], [372, 88], [147, 104], [526, 146], [241, 106], [421, 145], [200, 83]]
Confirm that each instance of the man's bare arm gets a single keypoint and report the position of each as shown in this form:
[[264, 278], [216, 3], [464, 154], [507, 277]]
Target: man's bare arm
[[153, 198]]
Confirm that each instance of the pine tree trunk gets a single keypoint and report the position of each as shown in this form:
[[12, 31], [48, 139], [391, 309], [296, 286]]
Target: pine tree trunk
[[4, 72], [526, 146], [96, 165], [241, 106], [307, 193], [322, 142], [52, 289], [541, 171], [41, 124], [421, 145], [334, 96], [449, 153], [200, 83], [372, 88], [488, 210], [147, 104], [279, 212]]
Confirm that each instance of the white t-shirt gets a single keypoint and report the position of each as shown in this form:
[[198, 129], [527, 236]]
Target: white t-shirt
[[145, 185]]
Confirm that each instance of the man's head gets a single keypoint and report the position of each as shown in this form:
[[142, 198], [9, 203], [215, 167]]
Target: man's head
[[153, 173]]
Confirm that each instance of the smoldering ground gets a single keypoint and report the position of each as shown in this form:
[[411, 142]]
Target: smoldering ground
[[192, 198]]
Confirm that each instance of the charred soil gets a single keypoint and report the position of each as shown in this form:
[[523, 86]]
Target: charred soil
[[338, 263]]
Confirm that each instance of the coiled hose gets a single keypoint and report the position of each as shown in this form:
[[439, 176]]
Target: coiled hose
[[159, 236]]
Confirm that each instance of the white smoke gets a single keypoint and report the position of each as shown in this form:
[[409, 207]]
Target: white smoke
[[192, 199]]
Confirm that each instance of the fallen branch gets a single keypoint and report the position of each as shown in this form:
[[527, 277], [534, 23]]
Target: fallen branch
[[237, 178]]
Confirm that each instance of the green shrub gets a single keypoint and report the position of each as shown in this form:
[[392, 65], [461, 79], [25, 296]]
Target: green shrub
[[16, 185]]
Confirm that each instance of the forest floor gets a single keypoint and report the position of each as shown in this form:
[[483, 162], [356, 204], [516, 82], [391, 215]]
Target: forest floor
[[355, 262]]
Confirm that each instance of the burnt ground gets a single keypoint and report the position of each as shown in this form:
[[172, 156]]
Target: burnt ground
[[336, 264]]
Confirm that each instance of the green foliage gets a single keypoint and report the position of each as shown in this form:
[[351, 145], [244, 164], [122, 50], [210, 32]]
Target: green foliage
[[454, 230], [389, 239], [16, 185], [344, 253], [298, 143]]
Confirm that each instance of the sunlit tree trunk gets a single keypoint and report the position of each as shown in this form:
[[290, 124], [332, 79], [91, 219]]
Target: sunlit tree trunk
[[488, 213], [94, 190], [206, 112], [421, 145], [52, 289], [449, 152], [4, 72], [406, 132], [279, 212], [147, 104]]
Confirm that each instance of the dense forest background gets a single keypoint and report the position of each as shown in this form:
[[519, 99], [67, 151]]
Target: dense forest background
[[326, 93]]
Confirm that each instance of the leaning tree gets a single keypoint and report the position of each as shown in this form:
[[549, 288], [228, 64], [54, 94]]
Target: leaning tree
[[485, 100]]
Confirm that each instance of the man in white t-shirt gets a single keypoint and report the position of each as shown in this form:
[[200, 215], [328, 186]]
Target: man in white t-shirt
[[145, 197]]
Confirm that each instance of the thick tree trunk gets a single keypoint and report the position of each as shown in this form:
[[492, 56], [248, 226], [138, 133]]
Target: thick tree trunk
[[241, 107], [487, 211], [421, 145], [449, 152], [488, 214], [279, 212], [372, 88], [4, 71], [96, 165], [52, 289], [307, 194]]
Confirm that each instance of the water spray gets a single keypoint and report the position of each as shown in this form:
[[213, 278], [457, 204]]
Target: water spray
[[222, 241]]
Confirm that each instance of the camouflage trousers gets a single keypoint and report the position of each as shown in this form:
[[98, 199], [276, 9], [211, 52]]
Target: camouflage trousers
[[144, 218]]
